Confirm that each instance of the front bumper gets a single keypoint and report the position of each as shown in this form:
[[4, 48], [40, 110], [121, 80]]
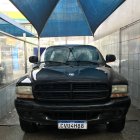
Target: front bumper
[[33, 111]]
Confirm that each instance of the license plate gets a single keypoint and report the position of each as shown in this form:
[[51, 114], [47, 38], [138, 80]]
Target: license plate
[[72, 124]]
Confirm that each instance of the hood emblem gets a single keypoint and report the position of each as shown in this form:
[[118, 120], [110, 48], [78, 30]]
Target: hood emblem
[[71, 74]]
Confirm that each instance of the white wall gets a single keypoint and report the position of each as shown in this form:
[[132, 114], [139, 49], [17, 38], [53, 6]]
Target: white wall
[[127, 13]]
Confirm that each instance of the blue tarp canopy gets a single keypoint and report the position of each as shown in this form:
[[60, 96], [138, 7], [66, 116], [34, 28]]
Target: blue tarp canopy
[[57, 18], [11, 27]]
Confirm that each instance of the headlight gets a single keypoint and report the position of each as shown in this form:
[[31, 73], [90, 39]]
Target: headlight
[[119, 91], [24, 92]]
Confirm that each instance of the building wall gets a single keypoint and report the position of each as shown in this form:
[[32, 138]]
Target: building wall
[[125, 44], [130, 59], [12, 67], [127, 13], [12, 62], [110, 45]]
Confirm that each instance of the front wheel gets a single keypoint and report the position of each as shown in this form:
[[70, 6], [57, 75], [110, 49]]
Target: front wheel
[[116, 126], [28, 127]]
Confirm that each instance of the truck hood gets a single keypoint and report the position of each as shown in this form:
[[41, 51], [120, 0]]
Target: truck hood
[[75, 73]]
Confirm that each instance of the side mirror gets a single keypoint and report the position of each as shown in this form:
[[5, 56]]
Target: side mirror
[[110, 58], [33, 59]]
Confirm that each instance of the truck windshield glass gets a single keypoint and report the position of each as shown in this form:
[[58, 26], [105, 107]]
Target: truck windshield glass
[[77, 54]]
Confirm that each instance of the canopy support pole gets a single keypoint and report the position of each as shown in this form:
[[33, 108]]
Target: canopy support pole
[[25, 52], [38, 48], [120, 49]]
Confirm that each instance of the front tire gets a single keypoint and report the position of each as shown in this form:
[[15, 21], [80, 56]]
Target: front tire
[[28, 127], [116, 126]]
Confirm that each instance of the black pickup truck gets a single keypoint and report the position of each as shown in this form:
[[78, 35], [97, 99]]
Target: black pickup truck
[[72, 86]]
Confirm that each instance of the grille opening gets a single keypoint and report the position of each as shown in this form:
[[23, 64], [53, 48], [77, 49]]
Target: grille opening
[[71, 91], [52, 87], [88, 86], [72, 115]]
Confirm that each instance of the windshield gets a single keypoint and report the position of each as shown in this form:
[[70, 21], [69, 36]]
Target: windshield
[[78, 54]]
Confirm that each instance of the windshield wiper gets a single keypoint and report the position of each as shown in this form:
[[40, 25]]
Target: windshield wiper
[[90, 62], [58, 62], [71, 51]]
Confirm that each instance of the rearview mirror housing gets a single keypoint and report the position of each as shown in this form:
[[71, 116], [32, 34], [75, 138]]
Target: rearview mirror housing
[[110, 58], [33, 59]]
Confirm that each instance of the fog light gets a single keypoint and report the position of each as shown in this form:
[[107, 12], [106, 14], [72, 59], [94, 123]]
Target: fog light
[[117, 95], [25, 96]]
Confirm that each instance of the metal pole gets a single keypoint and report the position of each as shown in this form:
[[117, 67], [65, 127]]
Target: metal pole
[[17, 38], [25, 52], [38, 48], [120, 49]]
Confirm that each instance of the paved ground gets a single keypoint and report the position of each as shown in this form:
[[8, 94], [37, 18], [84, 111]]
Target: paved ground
[[10, 130]]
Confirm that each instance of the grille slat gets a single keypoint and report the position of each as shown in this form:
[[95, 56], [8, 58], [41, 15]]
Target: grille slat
[[71, 91]]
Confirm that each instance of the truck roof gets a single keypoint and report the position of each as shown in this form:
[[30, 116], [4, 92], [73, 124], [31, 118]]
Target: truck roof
[[72, 45]]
